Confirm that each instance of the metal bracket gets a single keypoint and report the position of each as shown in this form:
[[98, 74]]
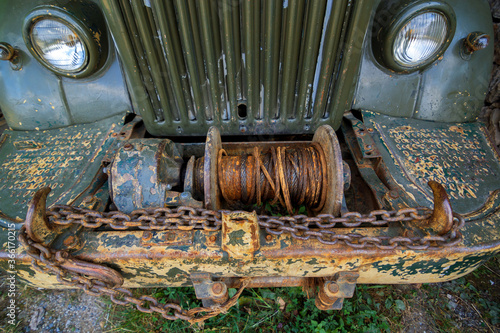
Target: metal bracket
[[240, 234], [209, 291], [332, 293], [365, 140]]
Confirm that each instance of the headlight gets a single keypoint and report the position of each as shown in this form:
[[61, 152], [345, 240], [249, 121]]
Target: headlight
[[420, 39], [416, 37], [67, 42], [58, 45]]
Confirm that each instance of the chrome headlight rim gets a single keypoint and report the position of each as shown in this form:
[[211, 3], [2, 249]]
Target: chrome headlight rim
[[405, 17], [74, 24]]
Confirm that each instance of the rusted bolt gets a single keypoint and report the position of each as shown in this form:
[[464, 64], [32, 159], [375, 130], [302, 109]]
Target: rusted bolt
[[368, 147], [394, 194], [212, 238], [333, 287], [128, 146], [147, 235], [370, 130], [170, 236], [361, 132], [114, 134], [217, 288], [269, 238]]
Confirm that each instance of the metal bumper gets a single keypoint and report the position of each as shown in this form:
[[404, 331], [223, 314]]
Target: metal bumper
[[169, 258]]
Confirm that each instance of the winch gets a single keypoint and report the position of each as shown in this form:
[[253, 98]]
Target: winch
[[147, 173]]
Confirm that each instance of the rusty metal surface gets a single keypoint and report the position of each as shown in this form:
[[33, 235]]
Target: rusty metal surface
[[281, 175], [325, 136], [213, 145], [331, 293], [142, 173], [458, 156], [240, 234], [365, 141], [299, 227], [210, 292], [386, 193], [99, 280], [286, 249], [36, 219], [441, 220], [65, 159]]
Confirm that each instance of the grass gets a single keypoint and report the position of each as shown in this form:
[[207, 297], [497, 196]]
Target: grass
[[469, 303]]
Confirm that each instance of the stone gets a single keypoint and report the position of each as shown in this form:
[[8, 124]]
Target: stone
[[37, 318]]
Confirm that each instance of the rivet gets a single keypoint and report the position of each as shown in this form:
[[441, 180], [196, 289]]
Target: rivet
[[394, 194], [128, 146], [269, 238], [213, 238], [147, 235]]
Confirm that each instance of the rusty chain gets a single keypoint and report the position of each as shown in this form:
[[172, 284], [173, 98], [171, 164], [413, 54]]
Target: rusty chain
[[299, 226], [47, 260]]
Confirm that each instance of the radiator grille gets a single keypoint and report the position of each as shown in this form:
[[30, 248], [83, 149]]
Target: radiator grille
[[251, 67]]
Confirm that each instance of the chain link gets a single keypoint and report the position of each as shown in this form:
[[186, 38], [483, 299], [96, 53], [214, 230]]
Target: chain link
[[299, 226], [302, 227]]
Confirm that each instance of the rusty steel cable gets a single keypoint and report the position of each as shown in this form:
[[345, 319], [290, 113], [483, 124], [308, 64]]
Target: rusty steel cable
[[47, 260], [284, 175]]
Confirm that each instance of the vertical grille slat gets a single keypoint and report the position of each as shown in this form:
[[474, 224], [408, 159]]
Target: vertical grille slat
[[192, 59], [344, 86], [230, 40], [251, 57], [309, 56], [209, 50], [293, 34], [331, 42], [255, 67], [272, 34], [175, 66], [143, 26], [141, 59]]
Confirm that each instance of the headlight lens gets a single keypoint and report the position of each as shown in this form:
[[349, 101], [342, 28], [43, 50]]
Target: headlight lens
[[420, 39], [58, 45]]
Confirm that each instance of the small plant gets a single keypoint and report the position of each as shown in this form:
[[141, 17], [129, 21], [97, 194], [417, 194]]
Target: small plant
[[443, 307]]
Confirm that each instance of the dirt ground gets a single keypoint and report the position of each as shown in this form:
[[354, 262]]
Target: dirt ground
[[74, 311], [59, 311]]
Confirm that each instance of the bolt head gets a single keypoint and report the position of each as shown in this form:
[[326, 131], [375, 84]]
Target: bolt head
[[213, 238], [332, 287], [6, 51], [218, 288], [269, 238], [128, 146]]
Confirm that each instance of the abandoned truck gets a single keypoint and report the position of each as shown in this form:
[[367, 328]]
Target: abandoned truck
[[232, 144]]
